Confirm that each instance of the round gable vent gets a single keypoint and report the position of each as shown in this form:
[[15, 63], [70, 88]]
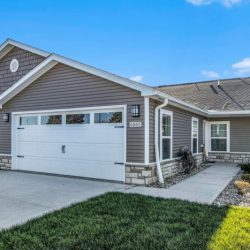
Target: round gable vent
[[14, 65]]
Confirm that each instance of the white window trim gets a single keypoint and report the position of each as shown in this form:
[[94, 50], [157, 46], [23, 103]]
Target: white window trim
[[228, 136], [192, 146], [170, 113]]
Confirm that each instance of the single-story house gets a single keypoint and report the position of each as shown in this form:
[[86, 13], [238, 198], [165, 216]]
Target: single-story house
[[61, 116]]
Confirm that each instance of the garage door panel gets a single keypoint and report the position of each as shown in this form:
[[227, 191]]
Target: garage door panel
[[63, 135], [90, 169], [90, 150], [108, 152]]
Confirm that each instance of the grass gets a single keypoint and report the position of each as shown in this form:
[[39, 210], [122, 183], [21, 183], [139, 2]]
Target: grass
[[125, 221]]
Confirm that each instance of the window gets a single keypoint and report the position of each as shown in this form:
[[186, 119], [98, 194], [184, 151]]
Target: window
[[111, 117], [78, 119], [220, 136], [166, 134], [51, 119], [28, 120], [195, 131]]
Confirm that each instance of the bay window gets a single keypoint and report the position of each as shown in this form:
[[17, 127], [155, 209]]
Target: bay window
[[166, 134], [194, 134]]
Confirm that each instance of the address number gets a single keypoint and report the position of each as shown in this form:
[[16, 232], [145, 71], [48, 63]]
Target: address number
[[135, 124]]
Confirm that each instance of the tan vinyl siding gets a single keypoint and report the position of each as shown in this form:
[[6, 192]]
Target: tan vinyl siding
[[239, 133], [182, 121], [65, 87], [27, 61]]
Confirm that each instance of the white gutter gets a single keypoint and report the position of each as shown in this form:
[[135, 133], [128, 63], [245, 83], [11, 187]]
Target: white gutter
[[157, 152]]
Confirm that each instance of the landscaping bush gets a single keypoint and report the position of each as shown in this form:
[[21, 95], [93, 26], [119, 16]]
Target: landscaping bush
[[242, 186], [245, 167], [246, 177], [186, 159]]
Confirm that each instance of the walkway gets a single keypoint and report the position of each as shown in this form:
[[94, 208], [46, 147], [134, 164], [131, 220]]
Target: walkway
[[203, 187]]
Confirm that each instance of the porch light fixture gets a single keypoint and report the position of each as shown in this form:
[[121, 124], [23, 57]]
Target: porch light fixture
[[135, 110], [6, 117]]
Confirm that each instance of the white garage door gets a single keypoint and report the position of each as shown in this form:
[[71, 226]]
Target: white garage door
[[80, 143]]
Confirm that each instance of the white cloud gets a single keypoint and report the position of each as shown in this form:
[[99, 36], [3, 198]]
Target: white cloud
[[229, 3], [243, 66], [200, 2], [210, 74], [226, 3], [136, 78]]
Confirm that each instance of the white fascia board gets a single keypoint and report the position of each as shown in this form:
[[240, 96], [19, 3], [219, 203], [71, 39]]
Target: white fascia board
[[218, 114], [10, 42], [5, 50], [27, 80]]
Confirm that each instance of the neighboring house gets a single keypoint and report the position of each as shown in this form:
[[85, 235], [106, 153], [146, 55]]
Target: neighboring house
[[63, 117]]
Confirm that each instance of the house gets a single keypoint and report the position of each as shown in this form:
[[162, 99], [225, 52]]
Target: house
[[60, 116]]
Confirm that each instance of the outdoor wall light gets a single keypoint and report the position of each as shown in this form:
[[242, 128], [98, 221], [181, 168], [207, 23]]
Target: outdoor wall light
[[135, 110], [6, 117]]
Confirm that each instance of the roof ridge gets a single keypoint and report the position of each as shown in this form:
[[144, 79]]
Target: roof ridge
[[201, 82]]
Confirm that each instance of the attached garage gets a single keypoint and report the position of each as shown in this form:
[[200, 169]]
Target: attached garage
[[79, 142]]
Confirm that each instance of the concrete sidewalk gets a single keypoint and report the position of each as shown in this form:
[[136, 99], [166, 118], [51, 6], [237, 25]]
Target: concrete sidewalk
[[203, 187]]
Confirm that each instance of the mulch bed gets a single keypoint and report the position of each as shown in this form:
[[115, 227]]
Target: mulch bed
[[180, 177], [231, 196]]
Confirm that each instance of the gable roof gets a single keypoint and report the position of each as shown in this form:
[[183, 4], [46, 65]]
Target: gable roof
[[223, 95], [52, 59], [9, 44], [164, 92]]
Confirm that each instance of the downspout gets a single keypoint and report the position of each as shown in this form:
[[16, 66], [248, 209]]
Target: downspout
[[157, 151]]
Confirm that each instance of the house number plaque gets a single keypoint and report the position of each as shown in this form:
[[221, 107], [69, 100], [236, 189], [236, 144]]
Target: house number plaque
[[135, 124]]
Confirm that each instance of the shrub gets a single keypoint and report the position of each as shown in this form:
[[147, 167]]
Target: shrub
[[245, 167], [242, 186], [246, 177], [186, 159]]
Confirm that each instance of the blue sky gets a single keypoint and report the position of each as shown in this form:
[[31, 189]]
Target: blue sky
[[155, 42]]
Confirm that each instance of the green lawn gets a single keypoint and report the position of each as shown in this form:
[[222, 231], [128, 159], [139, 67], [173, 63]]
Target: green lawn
[[125, 221]]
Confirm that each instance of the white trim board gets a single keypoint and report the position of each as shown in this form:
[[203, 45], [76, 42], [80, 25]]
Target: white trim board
[[146, 130], [13, 43]]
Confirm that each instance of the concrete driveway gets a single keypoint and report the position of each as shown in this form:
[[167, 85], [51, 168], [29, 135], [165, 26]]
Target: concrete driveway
[[24, 196]]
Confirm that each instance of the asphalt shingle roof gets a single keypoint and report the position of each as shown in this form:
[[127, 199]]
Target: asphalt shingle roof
[[230, 95]]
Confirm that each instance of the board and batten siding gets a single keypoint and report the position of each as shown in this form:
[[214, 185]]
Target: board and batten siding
[[65, 87], [27, 61], [239, 133], [182, 122]]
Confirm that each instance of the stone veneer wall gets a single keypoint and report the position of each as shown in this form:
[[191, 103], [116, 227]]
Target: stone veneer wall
[[5, 162], [146, 175], [229, 157], [173, 167], [141, 175]]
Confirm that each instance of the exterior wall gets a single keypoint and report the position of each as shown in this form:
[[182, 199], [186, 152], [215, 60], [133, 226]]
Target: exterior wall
[[146, 175], [27, 61], [239, 133], [182, 122], [5, 162], [173, 167], [141, 175], [230, 157], [66, 87]]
